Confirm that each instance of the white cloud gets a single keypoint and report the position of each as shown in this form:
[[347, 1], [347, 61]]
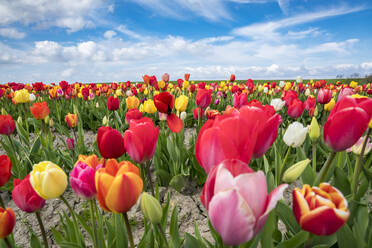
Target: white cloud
[[67, 73], [269, 30], [12, 33], [70, 14], [123, 29], [109, 34]]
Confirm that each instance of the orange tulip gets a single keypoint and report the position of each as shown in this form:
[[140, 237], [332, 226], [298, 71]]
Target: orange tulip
[[39, 110], [118, 186], [320, 210], [71, 120], [132, 102], [7, 222], [91, 160]]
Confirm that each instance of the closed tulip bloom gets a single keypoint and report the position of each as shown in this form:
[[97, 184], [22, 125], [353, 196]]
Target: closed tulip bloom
[[151, 208], [25, 197], [82, 180], [345, 92], [165, 77], [314, 129], [21, 96], [237, 201], [320, 210], [71, 120], [310, 103], [289, 96], [295, 134], [140, 139], [7, 124], [132, 102], [181, 103], [254, 129], [197, 113], [149, 106], [232, 78], [113, 103], [132, 114], [70, 143], [187, 76], [329, 106], [296, 108], [277, 103], [48, 180], [118, 186], [324, 96], [110, 142], [203, 98], [7, 222], [39, 110], [347, 122], [5, 169], [240, 100]]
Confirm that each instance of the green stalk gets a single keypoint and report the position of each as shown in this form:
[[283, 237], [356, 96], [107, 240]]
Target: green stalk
[[91, 204], [72, 212], [129, 231], [7, 242], [162, 234], [314, 157], [148, 173], [280, 172], [2, 202], [323, 173], [43, 234], [358, 166]]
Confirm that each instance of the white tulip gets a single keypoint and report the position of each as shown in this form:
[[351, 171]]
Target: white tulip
[[277, 103], [295, 134], [299, 79], [32, 97], [266, 90], [281, 84], [105, 121], [183, 115], [307, 92]]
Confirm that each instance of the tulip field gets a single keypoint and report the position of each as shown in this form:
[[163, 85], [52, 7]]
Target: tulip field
[[261, 163]]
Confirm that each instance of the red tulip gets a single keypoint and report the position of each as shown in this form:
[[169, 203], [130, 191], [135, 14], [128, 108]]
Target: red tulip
[[133, 114], [7, 222], [212, 113], [197, 113], [240, 100], [7, 124], [40, 110], [310, 103], [164, 102], [231, 136], [347, 122], [324, 96], [110, 142], [187, 76], [140, 139], [25, 197], [5, 169], [232, 78], [203, 98], [296, 108], [320, 210], [289, 96], [112, 103]]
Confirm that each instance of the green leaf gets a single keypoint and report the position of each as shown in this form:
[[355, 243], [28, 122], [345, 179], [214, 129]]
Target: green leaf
[[192, 242], [285, 213], [173, 229], [308, 176], [177, 182], [120, 230], [345, 237], [361, 225], [341, 181], [35, 241], [267, 231], [295, 241]]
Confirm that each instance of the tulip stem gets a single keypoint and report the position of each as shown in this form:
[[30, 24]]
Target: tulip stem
[[280, 172], [162, 234], [7, 242], [314, 157], [43, 234], [91, 204], [309, 241], [148, 173], [72, 214], [129, 231], [2, 202], [358, 166], [323, 172]]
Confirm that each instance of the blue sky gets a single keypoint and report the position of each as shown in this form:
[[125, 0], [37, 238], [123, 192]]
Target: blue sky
[[119, 40]]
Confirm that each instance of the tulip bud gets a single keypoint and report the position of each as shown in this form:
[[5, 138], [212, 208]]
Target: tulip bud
[[7, 222], [105, 121], [314, 130], [151, 208], [19, 120], [3, 111], [295, 171], [70, 143], [51, 122], [46, 120], [97, 105], [183, 115]]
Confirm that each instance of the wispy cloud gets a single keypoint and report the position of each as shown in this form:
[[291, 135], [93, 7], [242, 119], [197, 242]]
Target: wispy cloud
[[269, 30], [283, 4], [12, 33]]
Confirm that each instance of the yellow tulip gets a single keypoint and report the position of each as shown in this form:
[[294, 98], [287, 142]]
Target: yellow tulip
[[353, 84], [119, 92], [314, 129], [329, 106], [48, 180], [21, 96], [161, 84], [185, 84], [132, 102], [149, 106], [181, 103]]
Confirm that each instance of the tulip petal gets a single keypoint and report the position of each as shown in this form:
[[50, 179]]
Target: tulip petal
[[134, 146], [323, 220], [174, 123], [253, 189], [103, 184], [231, 217], [300, 205], [272, 200]]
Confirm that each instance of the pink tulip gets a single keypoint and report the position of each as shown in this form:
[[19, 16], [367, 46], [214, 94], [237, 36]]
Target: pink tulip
[[324, 96], [345, 92], [240, 100], [237, 201], [70, 143], [82, 180]]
